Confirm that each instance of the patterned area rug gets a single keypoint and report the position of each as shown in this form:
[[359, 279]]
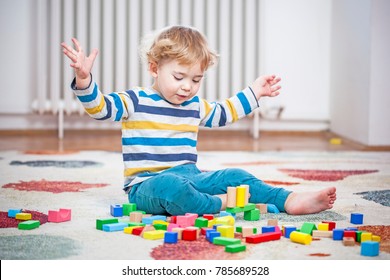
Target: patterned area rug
[[88, 182]]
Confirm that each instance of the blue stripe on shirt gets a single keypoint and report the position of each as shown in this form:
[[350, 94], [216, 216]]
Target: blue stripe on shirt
[[118, 105], [168, 111], [160, 157], [89, 97], [148, 141], [245, 103], [133, 98], [109, 110]]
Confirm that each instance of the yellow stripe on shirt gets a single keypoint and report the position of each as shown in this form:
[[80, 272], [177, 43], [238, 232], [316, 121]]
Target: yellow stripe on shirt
[[232, 110], [207, 107], [128, 172], [97, 109], [159, 126]]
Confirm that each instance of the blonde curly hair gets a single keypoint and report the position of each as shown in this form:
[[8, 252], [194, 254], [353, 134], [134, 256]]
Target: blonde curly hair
[[184, 44]]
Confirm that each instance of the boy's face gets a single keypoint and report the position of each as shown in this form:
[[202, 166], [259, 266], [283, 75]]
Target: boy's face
[[176, 82]]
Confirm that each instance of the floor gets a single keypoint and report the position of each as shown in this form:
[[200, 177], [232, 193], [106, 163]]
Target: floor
[[222, 140]]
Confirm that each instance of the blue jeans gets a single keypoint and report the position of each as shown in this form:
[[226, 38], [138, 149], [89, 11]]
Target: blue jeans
[[186, 189]]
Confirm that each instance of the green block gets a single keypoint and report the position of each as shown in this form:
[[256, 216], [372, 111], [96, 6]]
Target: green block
[[128, 207], [160, 226], [359, 235], [201, 222], [239, 229], [249, 206], [30, 224], [225, 241], [235, 210], [308, 228], [235, 248], [134, 224], [101, 222], [252, 215]]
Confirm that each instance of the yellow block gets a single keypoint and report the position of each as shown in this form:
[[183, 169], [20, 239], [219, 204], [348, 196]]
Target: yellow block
[[323, 226], [160, 222], [225, 220], [376, 238], [129, 230], [23, 216], [300, 237], [240, 196], [154, 234], [366, 236], [226, 231]]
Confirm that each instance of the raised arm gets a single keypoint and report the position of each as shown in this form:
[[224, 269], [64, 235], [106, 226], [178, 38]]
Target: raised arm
[[81, 63], [266, 86]]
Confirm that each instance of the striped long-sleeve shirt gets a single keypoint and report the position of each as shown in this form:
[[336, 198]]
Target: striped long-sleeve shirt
[[157, 135]]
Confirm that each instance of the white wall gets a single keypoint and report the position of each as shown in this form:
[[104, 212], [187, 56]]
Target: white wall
[[359, 70]]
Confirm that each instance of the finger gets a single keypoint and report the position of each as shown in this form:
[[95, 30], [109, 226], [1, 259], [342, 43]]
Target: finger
[[93, 54], [76, 44], [68, 48], [275, 88], [70, 55]]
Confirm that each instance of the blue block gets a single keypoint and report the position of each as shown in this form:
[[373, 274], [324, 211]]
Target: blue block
[[211, 234], [224, 213], [369, 248], [356, 218], [288, 230], [149, 220], [115, 227], [12, 212], [338, 234], [351, 228], [272, 208], [215, 226], [170, 237], [265, 229], [116, 210]]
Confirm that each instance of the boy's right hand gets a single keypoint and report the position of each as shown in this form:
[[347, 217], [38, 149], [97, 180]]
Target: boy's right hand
[[81, 63]]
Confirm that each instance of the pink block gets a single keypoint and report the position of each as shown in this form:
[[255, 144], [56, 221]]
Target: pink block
[[171, 226], [184, 221], [62, 215], [192, 217]]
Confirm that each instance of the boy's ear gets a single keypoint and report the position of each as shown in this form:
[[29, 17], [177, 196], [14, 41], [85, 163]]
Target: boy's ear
[[153, 69]]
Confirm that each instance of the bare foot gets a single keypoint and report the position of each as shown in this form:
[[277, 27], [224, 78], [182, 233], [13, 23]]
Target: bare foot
[[223, 198], [310, 202]]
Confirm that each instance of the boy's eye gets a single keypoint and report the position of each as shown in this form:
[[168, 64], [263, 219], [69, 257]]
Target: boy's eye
[[178, 78], [196, 81]]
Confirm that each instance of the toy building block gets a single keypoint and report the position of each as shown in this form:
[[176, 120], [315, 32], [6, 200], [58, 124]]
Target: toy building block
[[263, 237], [365, 236], [172, 226], [204, 230], [350, 233], [224, 241], [128, 208], [248, 230], [116, 210], [173, 219], [201, 222], [348, 241], [308, 228], [184, 221], [135, 216], [262, 207], [114, 227], [197, 231], [30, 224], [211, 234], [265, 229], [208, 216], [225, 213], [170, 237], [331, 225], [272, 222], [149, 220], [225, 220], [300, 237], [129, 230], [63, 215], [189, 234], [288, 230], [101, 222], [356, 218], [235, 248], [226, 231], [23, 216], [252, 215], [352, 228], [192, 217], [132, 224], [247, 207], [338, 234], [146, 229], [272, 209], [323, 226], [179, 232], [376, 238], [369, 248], [160, 226], [137, 230], [154, 234], [322, 233], [231, 197], [12, 212], [247, 193], [240, 196]]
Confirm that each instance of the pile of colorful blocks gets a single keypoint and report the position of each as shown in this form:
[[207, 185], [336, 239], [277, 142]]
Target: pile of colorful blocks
[[62, 215]]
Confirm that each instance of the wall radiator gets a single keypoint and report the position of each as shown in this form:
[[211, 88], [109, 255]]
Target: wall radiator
[[115, 27]]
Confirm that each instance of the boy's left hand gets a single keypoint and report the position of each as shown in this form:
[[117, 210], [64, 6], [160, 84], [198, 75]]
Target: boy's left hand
[[266, 86]]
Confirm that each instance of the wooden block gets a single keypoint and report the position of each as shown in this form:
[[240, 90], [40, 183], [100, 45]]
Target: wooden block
[[116, 210], [12, 212], [129, 230], [211, 234], [101, 222], [208, 216], [252, 215], [231, 197], [149, 220], [170, 237], [262, 207], [154, 234], [376, 238], [137, 230], [348, 241], [172, 226], [192, 217], [135, 216], [331, 225], [198, 231], [226, 231], [369, 248], [128, 208], [201, 222], [225, 220], [248, 231], [235, 248], [23, 216], [146, 229], [28, 225], [179, 232], [184, 221], [323, 226], [308, 228], [266, 229], [114, 227], [240, 196], [263, 237], [272, 222], [224, 241], [356, 218], [300, 237], [62, 215], [246, 199], [287, 230], [350, 233], [322, 233], [366, 236], [189, 234]]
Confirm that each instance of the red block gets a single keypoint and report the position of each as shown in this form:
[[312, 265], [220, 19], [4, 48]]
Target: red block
[[332, 225], [350, 233], [60, 216], [173, 219], [208, 216], [203, 230], [263, 237], [137, 231], [189, 234]]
